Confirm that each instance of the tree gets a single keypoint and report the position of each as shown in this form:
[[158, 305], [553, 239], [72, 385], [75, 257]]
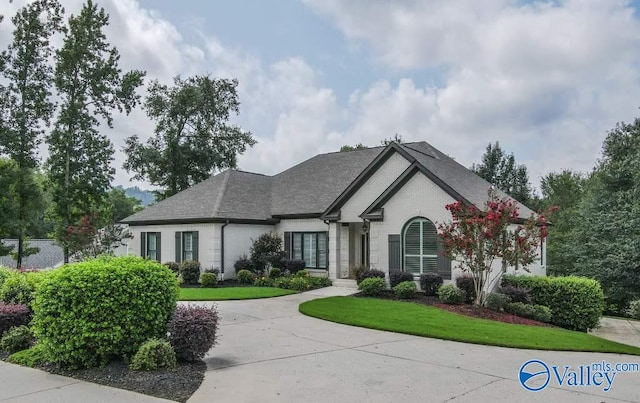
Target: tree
[[395, 139], [501, 170], [94, 236], [193, 136], [121, 206], [477, 237], [605, 241], [8, 205], [346, 147], [564, 190], [90, 86], [26, 105], [266, 250]]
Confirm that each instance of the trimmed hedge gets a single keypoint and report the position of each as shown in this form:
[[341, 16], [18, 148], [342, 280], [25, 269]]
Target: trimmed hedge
[[540, 313], [89, 312], [576, 303]]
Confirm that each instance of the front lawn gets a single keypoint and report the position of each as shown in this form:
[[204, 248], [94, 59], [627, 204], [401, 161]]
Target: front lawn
[[228, 293], [420, 320]]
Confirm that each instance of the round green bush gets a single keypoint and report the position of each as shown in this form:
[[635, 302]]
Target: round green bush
[[372, 286], [450, 294], [18, 287], [405, 289], [190, 272], [497, 301], [88, 312], [17, 339], [275, 273], [154, 354], [245, 277], [634, 309], [303, 273], [208, 279], [174, 267]]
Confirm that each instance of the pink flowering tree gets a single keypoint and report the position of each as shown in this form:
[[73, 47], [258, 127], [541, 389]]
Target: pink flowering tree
[[477, 237]]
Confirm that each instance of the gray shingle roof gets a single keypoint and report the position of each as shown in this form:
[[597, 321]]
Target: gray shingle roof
[[50, 254], [308, 188]]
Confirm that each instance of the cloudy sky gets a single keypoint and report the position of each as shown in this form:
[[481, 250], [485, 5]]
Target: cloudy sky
[[547, 79]]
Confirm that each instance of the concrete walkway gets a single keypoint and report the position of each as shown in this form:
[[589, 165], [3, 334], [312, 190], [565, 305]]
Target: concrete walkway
[[621, 330], [269, 352]]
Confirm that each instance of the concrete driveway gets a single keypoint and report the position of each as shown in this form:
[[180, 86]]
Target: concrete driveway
[[268, 352]]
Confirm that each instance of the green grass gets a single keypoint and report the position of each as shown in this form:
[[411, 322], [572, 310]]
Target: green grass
[[227, 293], [421, 320]]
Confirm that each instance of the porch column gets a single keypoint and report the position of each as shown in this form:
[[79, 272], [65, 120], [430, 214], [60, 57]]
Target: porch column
[[334, 250]]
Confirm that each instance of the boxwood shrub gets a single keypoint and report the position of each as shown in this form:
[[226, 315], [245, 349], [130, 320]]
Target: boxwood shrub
[[17, 339], [452, 295], [88, 312], [245, 277], [372, 286], [576, 303], [209, 279], [405, 289], [190, 271], [153, 354]]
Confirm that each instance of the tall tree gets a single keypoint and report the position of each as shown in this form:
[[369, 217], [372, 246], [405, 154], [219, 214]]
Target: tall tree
[[8, 205], [26, 105], [605, 242], [193, 136], [121, 206], [91, 87], [347, 147], [502, 171]]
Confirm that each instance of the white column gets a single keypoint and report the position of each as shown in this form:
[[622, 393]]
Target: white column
[[334, 250]]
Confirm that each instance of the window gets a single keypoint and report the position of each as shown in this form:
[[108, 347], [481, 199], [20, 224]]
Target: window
[[187, 246], [420, 246], [310, 247], [150, 245]]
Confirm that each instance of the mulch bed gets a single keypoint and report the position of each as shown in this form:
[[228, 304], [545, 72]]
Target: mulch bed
[[465, 309], [221, 284]]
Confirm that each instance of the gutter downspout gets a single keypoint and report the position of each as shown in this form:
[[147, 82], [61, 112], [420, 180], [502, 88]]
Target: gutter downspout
[[222, 248]]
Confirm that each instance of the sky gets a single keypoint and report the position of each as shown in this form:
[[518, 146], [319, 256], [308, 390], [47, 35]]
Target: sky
[[547, 79]]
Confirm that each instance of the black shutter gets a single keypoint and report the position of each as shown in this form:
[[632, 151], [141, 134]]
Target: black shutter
[[444, 263], [194, 240], [158, 246], [395, 253], [287, 244], [143, 244], [178, 247]]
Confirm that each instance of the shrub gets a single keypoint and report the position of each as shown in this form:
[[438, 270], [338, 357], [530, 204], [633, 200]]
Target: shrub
[[284, 282], [245, 277], [497, 301], [29, 357], [517, 294], [634, 309], [13, 315], [450, 294], [405, 289], [300, 283], [208, 279], [243, 263], [356, 271], [192, 331], [371, 273], [430, 283], [372, 286], [190, 271], [540, 313], [88, 312], [292, 266], [466, 284], [576, 303], [174, 267], [262, 281], [17, 339], [17, 289], [275, 273], [303, 273], [319, 282], [154, 354], [398, 277], [267, 249]]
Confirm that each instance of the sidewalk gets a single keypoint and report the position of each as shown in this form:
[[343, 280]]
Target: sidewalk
[[21, 384]]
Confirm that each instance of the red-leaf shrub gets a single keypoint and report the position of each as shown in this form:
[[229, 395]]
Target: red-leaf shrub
[[192, 331], [13, 315], [398, 277]]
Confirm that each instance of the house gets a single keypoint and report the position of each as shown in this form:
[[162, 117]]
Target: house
[[376, 207], [49, 255]]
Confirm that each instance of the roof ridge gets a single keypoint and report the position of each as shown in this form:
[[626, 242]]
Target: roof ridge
[[223, 188], [434, 155]]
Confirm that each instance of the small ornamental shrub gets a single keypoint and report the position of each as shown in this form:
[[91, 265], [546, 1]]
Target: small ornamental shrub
[[244, 264], [576, 303], [13, 315], [154, 354], [540, 313], [466, 284], [174, 267], [300, 283], [452, 295], [192, 331], [405, 290], [372, 286], [190, 271], [302, 273], [369, 274], [497, 301], [634, 309], [267, 249], [4, 273], [319, 282], [245, 277], [208, 279], [28, 358], [292, 266], [262, 281], [398, 277], [88, 312], [275, 273], [18, 287], [430, 282], [17, 339], [356, 271], [517, 294], [284, 282]]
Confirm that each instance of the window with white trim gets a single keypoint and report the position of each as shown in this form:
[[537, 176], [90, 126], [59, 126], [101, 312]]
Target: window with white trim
[[187, 246], [152, 245], [420, 246], [310, 247]]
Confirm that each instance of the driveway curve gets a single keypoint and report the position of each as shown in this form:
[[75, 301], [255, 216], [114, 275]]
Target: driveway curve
[[269, 352]]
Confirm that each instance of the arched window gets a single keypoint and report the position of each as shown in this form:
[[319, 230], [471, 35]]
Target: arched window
[[420, 246]]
